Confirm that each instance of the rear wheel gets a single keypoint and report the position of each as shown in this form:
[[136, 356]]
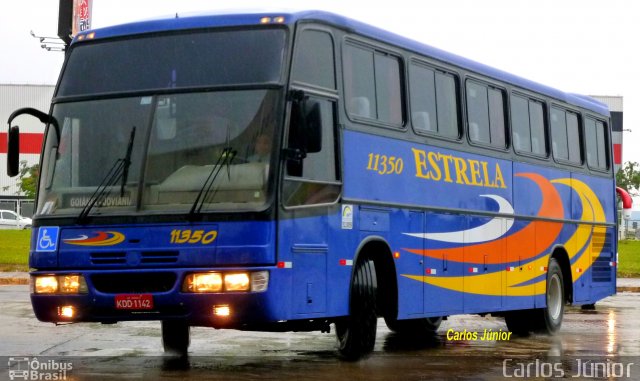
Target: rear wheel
[[175, 337], [542, 320], [549, 319], [356, 333]]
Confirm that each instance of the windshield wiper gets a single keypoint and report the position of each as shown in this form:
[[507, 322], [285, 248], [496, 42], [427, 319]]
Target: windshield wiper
[[119, 170], [224, 159], [127, 161]]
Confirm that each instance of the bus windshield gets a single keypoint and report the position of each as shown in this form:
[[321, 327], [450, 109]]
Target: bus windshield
[[179, 142], [145, 121], [174, 61]]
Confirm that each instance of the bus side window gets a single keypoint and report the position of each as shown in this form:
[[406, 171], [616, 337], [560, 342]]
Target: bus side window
[[313, 178], [373, 85], [485, 106], [595, 133], [565, 135], [314, 62]]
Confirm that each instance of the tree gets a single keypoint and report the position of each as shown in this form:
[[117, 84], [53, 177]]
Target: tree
[[27, 179], [628, 178]]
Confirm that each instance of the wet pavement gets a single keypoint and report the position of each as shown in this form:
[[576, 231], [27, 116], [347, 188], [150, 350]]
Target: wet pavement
[[610, 335]]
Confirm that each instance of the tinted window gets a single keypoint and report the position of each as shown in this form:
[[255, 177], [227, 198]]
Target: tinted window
[[573, 138], [388, 89], [496, 117], [602, 145], [595, 137], [360, 84], [174, 61], [314, 59], [592, 142], [423, 99], [314, 178], [373, 85], [478, 113], [434, 105], [485, 106], [527, 120], [536, 120], [565, 135], [559, 134], [447, 104], [520, 124]]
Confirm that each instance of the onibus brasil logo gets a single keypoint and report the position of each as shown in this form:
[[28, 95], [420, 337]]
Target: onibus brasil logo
[[30, 368]]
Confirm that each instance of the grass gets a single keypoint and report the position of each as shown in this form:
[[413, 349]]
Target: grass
[[629, 259], [14, 253], [14, 250]]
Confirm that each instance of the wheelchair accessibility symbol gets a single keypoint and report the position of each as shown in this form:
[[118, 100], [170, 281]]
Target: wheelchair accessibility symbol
[[47, 238]]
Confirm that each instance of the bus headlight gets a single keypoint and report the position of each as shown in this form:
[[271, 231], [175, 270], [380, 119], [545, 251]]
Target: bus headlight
[[72, 284], [45, 284], [256, 281], [203, 282], [236, 282], [59, 284]]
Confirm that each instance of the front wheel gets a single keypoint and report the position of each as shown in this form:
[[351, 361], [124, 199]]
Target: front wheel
[[175, 337], [356, 333]]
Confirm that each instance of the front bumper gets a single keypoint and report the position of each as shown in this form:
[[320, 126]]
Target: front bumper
[[169, 302]]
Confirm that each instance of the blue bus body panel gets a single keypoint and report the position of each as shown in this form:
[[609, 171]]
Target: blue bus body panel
[[489, 226], [223, 244]]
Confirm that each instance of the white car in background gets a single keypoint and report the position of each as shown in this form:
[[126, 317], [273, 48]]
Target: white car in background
[[12, 220]]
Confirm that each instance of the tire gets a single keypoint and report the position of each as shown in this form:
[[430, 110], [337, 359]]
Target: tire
[[519, 322], [175, 337], [545, 320], [415, 327], [356, 333], [549, 319]]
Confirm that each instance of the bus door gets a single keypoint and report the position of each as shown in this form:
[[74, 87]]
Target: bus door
[[311, 177], [310, 190]]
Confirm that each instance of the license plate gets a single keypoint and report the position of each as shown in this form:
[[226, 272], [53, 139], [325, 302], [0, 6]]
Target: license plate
[[134, 302]]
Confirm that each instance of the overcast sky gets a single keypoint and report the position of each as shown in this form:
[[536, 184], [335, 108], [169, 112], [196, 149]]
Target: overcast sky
[[581, 46]]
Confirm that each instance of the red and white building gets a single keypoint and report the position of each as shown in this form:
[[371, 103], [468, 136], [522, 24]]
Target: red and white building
[[615, 107], [13, 97]]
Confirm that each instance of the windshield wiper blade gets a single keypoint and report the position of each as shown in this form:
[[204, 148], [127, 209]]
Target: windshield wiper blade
[[224, 159], [110, 178], [127, 161], [118, 171]]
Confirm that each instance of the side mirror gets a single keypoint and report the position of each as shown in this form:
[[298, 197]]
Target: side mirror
[[305, 132], [13, 151], [13, 138]]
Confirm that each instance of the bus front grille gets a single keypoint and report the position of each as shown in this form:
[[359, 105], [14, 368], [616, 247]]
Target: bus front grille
[[108, 258], [134, 258], [115, 283]]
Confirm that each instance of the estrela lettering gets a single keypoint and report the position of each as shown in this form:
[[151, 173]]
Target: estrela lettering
[[436, 166]]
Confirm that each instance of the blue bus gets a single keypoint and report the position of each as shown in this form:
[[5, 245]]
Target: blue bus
[[298, 171]]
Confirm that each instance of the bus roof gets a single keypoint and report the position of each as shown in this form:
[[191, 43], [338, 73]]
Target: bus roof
[[244, 18]]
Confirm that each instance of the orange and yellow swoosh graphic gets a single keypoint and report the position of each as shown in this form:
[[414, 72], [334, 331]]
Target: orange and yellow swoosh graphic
[[521, 283], [107, 238]]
